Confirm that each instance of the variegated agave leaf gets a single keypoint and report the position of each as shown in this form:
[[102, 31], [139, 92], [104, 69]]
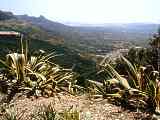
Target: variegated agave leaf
[[97, 87], [157, 98], [132, 72], [114, 74], [16, 62]]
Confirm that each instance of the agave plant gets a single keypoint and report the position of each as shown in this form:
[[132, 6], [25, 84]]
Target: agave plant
[[153, 90], [70, 114], [36, 74], [45, 112], [15, 64], [145, 79], [138, 87], [115, 77], [48, 112], [46, 76], [11, 114]]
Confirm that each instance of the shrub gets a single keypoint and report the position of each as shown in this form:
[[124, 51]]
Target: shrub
[[139, 87], [48, 112], [37, 75]]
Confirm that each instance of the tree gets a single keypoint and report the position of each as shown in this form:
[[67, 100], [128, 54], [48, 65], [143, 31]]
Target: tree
[[155, 45], [155, 40], [147, 56]]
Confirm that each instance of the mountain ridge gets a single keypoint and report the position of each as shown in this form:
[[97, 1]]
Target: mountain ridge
[[94, 38], [40, 38]]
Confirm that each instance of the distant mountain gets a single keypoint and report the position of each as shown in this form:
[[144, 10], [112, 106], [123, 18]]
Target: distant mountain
[[89, 37], [137, 33], [94, 38], [43, 22], [6, 15], [58, 29], [70, 34], [119, 27]]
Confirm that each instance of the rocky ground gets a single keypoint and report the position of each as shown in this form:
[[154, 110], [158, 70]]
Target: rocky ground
[[89, 110]]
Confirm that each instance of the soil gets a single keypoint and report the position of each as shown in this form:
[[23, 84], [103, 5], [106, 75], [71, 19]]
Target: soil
[[100, 109]]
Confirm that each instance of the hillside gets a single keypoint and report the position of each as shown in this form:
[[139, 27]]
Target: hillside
[[58, 29], [95, 38], [6, 15], [30, 32], [40, 38], [72, 40], [49, 70], [135, 32]]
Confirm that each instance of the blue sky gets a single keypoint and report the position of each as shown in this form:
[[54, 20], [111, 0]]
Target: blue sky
[[88, 11]]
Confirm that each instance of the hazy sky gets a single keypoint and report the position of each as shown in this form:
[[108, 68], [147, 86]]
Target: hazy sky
[[88, 11]]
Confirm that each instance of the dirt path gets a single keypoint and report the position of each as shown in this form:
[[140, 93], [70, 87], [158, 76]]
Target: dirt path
[[100, 110]]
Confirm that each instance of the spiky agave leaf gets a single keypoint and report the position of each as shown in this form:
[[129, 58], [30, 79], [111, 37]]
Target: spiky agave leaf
[[157, 98], [132, 72], [122, 81], [10, 114], [98, 87], [45, 112], [70, 114], [16, 63]]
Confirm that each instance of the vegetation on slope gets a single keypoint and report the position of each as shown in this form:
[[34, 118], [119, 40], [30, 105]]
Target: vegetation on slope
[[6, 15], [39, 38], [131, 83]]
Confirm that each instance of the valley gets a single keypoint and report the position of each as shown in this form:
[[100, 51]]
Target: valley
[[66, 71]]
